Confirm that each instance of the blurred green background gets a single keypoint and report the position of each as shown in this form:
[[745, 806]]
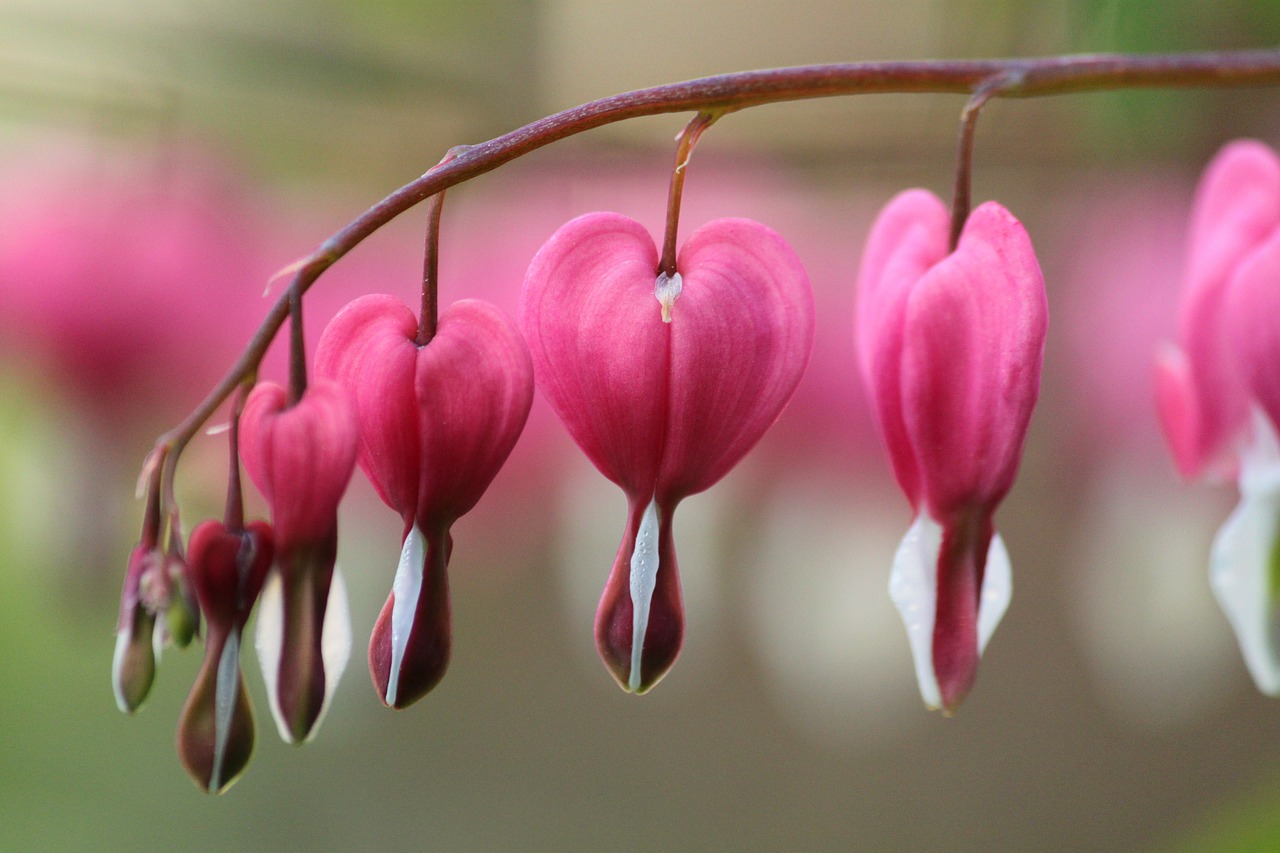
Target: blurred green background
[[1112, 712]]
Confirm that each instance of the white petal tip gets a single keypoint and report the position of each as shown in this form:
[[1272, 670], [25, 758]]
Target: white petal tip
[[644, 579], [406, 589], [1240, 574], [913, 590]]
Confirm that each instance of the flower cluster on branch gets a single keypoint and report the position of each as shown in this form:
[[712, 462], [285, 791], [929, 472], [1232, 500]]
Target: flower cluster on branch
[[666, 364]]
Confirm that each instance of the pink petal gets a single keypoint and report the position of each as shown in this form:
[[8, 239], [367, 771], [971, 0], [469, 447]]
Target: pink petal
[[1178, 408], [665, 397], [909, 238], [1252, 315], [227, 569], [599, 346], [1237, 207], [369, 349], [474, 386], [973, 342], [740, 339], [301, 458]]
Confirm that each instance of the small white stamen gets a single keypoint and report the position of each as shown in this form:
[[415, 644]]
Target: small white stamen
[[225, 693], [667, 291], [913, 588], [644, 578], [406, 589]]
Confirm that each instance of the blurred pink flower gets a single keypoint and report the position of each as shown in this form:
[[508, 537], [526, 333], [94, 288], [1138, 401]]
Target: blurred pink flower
[[1202, 404], [131, 282]]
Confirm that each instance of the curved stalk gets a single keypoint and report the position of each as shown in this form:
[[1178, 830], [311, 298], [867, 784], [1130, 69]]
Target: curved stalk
[[723, 93]]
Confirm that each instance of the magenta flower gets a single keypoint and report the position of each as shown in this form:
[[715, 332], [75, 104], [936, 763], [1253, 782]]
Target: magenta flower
[[215, 730], [950, 345], [1203, 407], [436, 422], [301, 458], [1220, 395], [663, 409]]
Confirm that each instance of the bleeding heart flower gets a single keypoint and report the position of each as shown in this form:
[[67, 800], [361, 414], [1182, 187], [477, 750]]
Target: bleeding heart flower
[[950, 345], [436, 423], [1202, 405], [663, 409], [301, 458], [1219, 396], [215, 730]]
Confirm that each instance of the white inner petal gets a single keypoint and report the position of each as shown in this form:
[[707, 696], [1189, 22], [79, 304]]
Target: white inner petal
[[913, 588], [667, 289], [997, 590], [1240, 561], [335, 643], [268, 640], [406, 589], [226, 687], [123, 636], [644, 577]]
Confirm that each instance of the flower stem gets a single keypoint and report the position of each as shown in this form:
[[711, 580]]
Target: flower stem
[[684, 150], [297, 346], [234, 518], [431, 261], [960, 197]]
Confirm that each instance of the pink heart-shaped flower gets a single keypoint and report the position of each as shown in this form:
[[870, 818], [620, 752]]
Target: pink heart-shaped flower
[[951, 344], [436, 423], [663, 409], [301, 458]]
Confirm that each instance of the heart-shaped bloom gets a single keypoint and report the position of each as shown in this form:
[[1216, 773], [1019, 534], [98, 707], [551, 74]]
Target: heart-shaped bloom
[[215, 730], [436, 422], [950, 345], [1230, 316], [1203, 407], [663, 409], [301, 458]]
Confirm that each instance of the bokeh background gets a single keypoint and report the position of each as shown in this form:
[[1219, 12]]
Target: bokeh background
[[160, 159]]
